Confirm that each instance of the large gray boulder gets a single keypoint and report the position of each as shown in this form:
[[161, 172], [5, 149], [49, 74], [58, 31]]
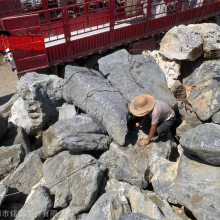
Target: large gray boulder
[[182, 43], [10, 158], [133, 75], [97, 97], [5, 109], [204, 142], [197, 188], [3, 126], [80, 134], [28, 174], [126, 164], [16, 135], [39, 96], [204, 95], [37, 205], [77, 180], [109, 206]]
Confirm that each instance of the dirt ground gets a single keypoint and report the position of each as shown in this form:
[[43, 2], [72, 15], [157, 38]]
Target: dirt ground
[[8, 81]]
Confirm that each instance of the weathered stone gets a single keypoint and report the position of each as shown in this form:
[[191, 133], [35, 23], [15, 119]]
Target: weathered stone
[[16, 135], [97, 97], [39, 96], [67, 111], [6, 108], [37, 205], [10, 158], [190, 121], [3, 192], [210, 33], [197, 188], [3, 126], [78, 178], [205, 89], [216, 118], [170, 68], [124, 165], [133, 75], [109, 206], [81, 133], [26, 175], [182, 43], [138, 200], [162, 174], [135, 216], [204, 142]]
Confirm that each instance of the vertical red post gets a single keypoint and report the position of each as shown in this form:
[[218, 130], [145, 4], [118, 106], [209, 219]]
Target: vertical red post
[[112, 14], [149, 4]]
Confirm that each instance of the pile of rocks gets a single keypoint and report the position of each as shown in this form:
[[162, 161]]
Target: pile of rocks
[[67, 151]]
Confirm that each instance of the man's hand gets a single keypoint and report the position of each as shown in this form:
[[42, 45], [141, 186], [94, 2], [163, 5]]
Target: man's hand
[[137, 125], [143, 142]]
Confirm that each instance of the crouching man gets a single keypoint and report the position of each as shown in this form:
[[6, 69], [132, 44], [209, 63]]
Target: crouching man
[[161, 114]]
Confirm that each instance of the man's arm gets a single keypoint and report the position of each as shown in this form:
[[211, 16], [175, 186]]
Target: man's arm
[[153, 129]]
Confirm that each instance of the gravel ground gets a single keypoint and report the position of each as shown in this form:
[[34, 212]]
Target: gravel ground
[[8, 81]]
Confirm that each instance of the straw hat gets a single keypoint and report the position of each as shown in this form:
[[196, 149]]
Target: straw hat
[[141, 105]]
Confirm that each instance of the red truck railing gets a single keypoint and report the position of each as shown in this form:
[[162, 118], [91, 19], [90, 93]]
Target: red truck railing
[[77, 30]]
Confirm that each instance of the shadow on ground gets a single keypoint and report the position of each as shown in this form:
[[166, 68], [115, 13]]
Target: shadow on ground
[[5, 99]]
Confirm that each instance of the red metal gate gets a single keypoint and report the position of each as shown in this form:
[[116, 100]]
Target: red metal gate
[[26, 25]]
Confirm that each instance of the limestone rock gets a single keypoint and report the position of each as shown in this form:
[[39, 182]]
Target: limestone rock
[[78, 178], [135, 216], [182, 43], [67, 111], [204, 142], [138, 200], [6, 108], [39, 96], [3, 126], [37, 205], [3, 192], [170, 68], [124, 166], [162, 175], [205, 89], [216, 118], [26, 175], [81, 133], [133, 75], [109, 206], [97, 97], [16, 135], [210, 33], [10, 158], [197, 187]]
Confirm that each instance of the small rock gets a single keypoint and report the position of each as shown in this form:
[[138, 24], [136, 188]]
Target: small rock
[[16, 135], [80, 134], [182, 43], [204, 142], [216, 118], [109, 206], [97, 97], [37, 205], [26, 175], [3, 126], [67, 111], [10, 158], [76, 182]]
